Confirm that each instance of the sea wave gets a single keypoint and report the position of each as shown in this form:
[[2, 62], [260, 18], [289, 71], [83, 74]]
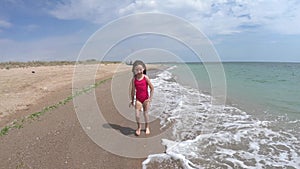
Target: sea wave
[[215, 136]]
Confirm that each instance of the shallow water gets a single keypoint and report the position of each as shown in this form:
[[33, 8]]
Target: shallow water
[[233, 135]]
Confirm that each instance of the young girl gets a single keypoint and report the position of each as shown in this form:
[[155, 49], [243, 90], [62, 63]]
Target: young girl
[[139, 89]]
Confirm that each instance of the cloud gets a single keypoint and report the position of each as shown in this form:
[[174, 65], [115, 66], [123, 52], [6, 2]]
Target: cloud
[[5, 24], [52, 48], [31, 27], [213, 17], [96, 11]]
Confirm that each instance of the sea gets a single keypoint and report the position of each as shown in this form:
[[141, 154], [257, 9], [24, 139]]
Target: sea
[[258, 125]]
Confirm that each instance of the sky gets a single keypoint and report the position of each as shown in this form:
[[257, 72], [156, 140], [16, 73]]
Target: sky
[[239, 30]]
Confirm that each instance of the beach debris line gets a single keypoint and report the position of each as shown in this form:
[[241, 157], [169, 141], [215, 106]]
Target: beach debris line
[[18, 123]]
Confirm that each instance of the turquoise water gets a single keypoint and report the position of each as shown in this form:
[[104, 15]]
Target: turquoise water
[[258, 88], [257, 128]]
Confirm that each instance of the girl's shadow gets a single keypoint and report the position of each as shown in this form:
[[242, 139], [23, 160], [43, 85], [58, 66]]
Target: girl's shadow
[[124, 130]]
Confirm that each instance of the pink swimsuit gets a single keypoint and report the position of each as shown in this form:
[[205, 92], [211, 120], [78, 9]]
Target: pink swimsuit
[[141, 87]]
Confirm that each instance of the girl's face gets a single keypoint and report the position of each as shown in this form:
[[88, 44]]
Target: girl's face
[[138, 69]]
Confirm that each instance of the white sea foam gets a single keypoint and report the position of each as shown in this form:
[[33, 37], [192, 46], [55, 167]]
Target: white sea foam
[[226, 138]]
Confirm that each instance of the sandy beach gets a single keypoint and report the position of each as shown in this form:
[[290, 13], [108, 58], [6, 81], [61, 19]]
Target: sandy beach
[[56, 139], [22, 89]]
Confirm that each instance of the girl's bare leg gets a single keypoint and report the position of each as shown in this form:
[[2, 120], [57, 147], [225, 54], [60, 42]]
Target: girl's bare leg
[[138, 107], [146, 106]]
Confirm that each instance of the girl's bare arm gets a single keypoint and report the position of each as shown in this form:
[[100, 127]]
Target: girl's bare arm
[[132, 92], [150, 86]]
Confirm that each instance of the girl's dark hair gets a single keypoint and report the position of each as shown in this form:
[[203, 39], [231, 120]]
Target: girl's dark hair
[[139, 62]]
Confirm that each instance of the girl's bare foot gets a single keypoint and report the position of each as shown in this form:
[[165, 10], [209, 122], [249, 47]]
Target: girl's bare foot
[[147, 131], [138, 131]]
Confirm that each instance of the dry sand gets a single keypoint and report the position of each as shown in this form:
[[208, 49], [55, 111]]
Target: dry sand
[[20, 88], [56, 139]]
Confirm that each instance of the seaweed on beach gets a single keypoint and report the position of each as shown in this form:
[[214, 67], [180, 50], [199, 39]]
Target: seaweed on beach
[[19, 123]]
